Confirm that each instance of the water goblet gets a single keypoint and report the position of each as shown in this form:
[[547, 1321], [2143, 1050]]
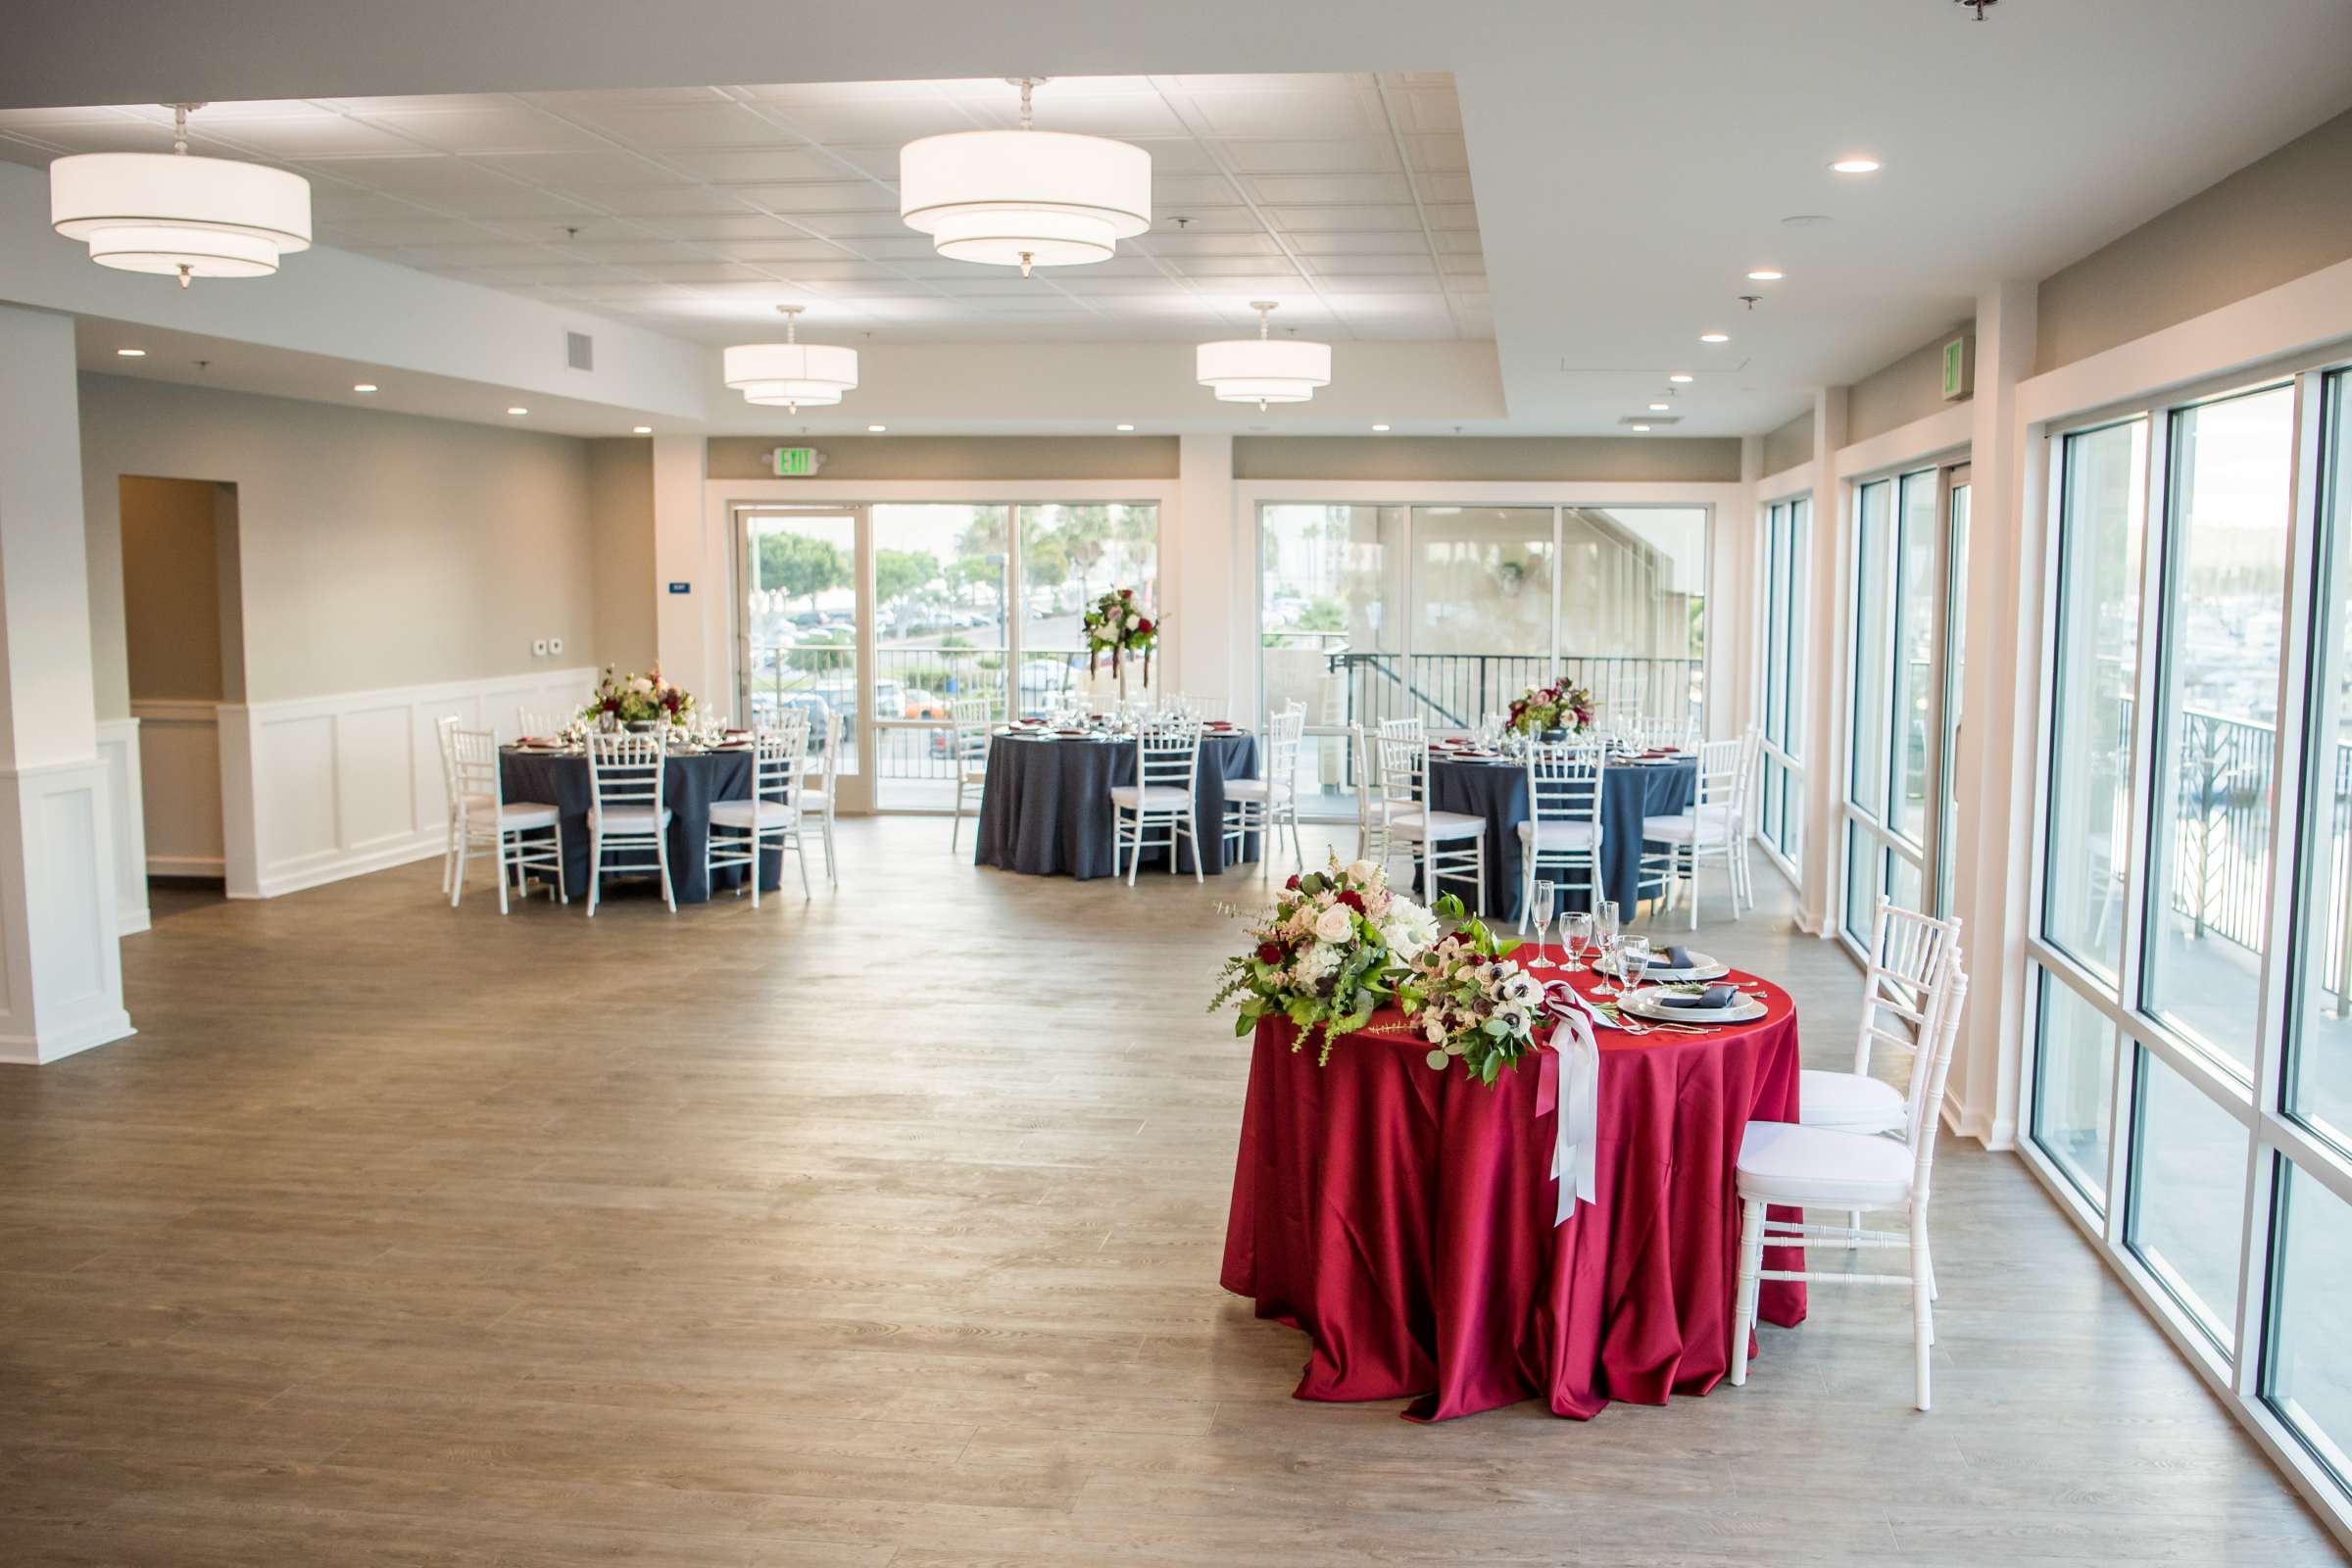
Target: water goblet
[[1632, 957], [1546, 893], [1576, 935]]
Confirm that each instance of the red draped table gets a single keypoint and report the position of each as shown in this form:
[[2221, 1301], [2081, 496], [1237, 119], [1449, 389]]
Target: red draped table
[[1403, 1217]]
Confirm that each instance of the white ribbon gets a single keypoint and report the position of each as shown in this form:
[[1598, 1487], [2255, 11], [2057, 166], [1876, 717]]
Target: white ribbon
[[1576, 1150]]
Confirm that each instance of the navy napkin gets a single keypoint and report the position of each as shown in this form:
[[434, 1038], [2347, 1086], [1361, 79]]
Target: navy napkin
[[1713, 996], [1679, 957]]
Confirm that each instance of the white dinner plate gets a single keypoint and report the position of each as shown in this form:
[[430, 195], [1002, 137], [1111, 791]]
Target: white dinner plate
[[1703, 967], [1644, 1004]]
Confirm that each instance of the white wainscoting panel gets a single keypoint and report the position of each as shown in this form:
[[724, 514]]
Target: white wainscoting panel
[[322, 788], [59, 950], [180, 774], [127, 810]]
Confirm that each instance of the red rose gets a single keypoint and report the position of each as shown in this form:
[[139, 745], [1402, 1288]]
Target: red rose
[[1126, 593], [1293, 883], [1142, 629], [1353, 900], [1268, 953]]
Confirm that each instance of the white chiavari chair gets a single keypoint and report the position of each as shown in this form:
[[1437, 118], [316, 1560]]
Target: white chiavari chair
[[816, 802], [1797, 1166], [1371, 804], [1673, 848], [540, 723], [487, 820], [445, 728], [1446, 846], [1271, 800], [1906, 954], [741, 830], [1167, 770], [1562, 834], [628, 820], [970, 758]]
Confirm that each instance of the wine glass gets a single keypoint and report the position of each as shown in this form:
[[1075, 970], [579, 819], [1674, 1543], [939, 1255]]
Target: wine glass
[[1546, 894], [1632, 957], [1605, 923], [1576, 935]]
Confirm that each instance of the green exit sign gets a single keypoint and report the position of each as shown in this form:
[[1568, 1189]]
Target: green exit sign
[[798, 462]]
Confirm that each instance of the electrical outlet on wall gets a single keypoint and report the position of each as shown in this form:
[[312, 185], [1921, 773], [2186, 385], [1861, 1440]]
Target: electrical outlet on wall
[[539, 649], [555, 645]]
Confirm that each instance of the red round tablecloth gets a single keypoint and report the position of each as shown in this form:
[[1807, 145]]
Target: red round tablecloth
[[1402, 1217]]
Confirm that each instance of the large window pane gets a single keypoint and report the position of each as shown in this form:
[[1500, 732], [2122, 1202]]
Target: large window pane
[[1633, 604], [2233, 470], [1955, 620], [1482, 610], [1776, 625], [1916, 593], [942, 590], [1865, 881], [2319, 1066], [2103, 523], [2073, 1084], [801, 610], [1071, 556], [2310, 1372], [1331, 607], [2188, 1194], [1873, 615]]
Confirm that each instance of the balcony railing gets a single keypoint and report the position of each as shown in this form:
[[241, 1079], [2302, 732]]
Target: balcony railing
[[1454, 691]]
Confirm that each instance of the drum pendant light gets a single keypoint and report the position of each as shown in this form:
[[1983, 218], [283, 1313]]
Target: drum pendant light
[[1025, 198], [172, 214], [1263, 369], [790, 373]]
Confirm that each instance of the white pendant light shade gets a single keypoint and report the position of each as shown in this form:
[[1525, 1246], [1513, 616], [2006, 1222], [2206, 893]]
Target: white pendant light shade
[[1263, 369], [1025, 198], [790, 373], [174, 213]]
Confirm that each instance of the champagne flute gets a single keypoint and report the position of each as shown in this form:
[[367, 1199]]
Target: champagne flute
[[1604, 929], [1607, 964], [1546, 893], [1576, 935]]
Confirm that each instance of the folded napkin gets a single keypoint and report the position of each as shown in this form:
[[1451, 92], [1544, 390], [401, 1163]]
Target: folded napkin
[[1564, 999], [1679, 957], [1718, 996]]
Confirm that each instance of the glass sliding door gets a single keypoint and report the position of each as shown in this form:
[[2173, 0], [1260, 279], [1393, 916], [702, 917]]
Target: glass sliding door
[[1955, 643], [942, 620], [802, 618], [1331, 624], [1789, 565], [1482, 613], [1070, 556]]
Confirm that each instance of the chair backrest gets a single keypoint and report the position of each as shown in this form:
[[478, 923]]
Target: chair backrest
[[1411, 727], [1368, 798], [780, 757], [445, 728], [625, 768], [824, 731], [536, 724], [1167, 751], [1900, 976], [971, 716], [1564, 783], [1404, 762], [1719, 772], [472, 766], [1932, 1069], [1284, 732]]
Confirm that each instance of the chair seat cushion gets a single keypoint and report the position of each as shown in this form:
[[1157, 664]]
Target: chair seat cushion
[[1558, 835], [1848, 1101], [474, 800], [812, 800], [1437, 825], [627, 818], [1709, 824], [752, 813], [1785, 1163], [1250, 789], [1152, 797], [526, 815]]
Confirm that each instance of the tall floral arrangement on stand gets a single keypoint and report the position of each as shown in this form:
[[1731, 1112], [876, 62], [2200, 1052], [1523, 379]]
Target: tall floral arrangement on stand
[[1323, 956], [1121, 629], [635, 698], [1561, 705]]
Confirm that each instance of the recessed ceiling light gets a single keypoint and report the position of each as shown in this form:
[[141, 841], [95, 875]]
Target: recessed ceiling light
[[1123, 427], [1714, 337], [1766, 274], [363, 386], [876, 429], [1641, 429], [1660, 408], [1680, 378], [642, 430], [1856, 166], [518, 412], [132, 353], [1379, 429]]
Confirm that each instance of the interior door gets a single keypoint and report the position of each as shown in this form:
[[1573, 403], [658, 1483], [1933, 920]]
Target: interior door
[[805, 630]]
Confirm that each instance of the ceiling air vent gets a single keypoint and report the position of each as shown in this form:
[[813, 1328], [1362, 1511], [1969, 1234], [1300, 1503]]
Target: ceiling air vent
[[579, 350], [1653, 420]]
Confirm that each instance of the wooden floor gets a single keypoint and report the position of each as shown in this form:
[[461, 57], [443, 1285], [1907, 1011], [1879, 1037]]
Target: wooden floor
[[884, 1229]]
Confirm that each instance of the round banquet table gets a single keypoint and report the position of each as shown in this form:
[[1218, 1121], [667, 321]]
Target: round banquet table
[[1403, 1217], [689, 784], [1046, 806], [1498, 791]]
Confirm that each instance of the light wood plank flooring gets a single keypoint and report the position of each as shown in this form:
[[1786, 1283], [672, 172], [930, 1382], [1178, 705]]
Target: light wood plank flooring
[[884, 1229]]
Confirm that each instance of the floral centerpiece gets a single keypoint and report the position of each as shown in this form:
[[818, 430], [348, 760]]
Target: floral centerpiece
[[1541, 710], [639, 701], [1121, 629], [1471, 1000], [1324, 954]]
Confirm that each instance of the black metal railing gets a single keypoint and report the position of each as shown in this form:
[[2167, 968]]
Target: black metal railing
[[1455, 691]]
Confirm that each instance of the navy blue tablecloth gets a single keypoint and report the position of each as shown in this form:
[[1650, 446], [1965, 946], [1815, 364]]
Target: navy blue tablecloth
[[689, 784], [1046, 807], [1497, 792]]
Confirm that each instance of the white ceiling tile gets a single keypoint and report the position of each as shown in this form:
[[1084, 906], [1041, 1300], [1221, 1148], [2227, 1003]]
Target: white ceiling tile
[[1234, 267], [1332, 191], [317, 135], [1461, 216], [1181, 193], [776, 252], [1356, 155], [1370, 242], [671, 127], [1346, 220], [1439, 153], [1144, 114], [1194, 243], [707, 272], [1458, 242], [1442, 188], [713, 226], [623, 97], [846, 196], [446, 182], [605, 170], [1426, 110], [665, 201], [898, 117], [496, 128], [744, 165], [1376, 266], [1316, 112]]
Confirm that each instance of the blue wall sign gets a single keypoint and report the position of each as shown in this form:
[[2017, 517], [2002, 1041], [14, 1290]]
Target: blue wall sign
[[681, 587]]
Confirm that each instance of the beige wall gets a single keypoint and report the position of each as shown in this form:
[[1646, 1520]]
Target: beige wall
[[1790, 445], [1450, 459], [170, 590], [980, 459], [620, 525], [2274, 220], [378, 549], [1911, 388]]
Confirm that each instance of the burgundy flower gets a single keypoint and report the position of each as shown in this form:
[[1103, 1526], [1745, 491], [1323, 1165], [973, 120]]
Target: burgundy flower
[[1142, 629], [1269, 952], [1293, 883], [1353, 900]]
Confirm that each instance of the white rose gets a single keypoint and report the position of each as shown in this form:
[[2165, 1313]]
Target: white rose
[[1409, 930], [1360, 871], [1334, 923], [1434, 1031], [641, 684]]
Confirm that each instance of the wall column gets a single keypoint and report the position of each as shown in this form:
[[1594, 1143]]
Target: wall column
[[1204, 581], [1827, 681], [60, 978], [1994, 782], [690, 629]]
